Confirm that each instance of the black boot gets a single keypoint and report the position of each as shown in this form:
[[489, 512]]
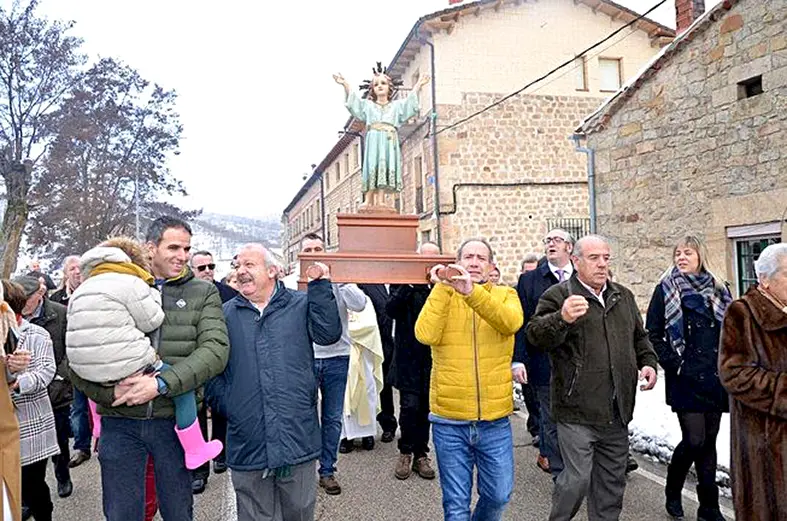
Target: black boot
[[709, 503], [673, 491]]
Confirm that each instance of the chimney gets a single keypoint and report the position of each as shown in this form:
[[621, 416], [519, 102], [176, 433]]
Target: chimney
[[686, 12]]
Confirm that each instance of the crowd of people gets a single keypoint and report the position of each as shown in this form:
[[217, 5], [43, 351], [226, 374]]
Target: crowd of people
[[140, 346]]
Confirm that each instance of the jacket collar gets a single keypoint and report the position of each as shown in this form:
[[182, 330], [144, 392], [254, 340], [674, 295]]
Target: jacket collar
[[46, 315], [545, 271], [181, 278], [611, 294], [765, 313], [280, 297]]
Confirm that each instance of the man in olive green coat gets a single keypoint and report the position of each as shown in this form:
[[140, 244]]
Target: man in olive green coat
[[138, 416]]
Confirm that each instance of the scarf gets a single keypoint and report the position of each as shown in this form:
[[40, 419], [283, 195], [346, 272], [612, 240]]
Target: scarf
[[677, 286], [127, 268]]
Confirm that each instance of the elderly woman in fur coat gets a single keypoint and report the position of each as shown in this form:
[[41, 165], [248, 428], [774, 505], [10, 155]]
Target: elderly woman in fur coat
[[753, 369]]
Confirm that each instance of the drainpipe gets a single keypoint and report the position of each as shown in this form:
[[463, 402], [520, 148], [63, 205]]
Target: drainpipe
[[322, 207], [433, 132], [591, 177]]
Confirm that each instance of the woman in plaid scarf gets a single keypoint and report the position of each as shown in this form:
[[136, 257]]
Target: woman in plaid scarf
[[684, 322]]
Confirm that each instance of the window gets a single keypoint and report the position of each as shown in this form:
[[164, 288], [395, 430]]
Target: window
[[610, 74], [581, 73], [398, 203], [327, 182], [347, 163], [319, 214], [418, 176], [356, 155], [750, 88], [426, 236], [747, 250], [338, 172]]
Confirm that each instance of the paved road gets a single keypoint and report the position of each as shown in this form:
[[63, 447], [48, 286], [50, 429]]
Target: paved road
[[371, 493]]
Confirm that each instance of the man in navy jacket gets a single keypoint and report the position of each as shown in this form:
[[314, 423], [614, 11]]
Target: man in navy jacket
[[555, 267], [268, 391]]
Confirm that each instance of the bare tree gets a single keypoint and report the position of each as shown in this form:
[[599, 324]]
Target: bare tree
[[40, 64], [115, 134]]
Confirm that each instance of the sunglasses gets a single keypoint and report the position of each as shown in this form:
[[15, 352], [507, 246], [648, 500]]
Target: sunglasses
[[206, 267]]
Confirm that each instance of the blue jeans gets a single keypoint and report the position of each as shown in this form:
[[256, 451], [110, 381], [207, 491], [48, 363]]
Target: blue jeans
[[80, 422], [123, 452], [548, 447], [487, 445], [331, 376]]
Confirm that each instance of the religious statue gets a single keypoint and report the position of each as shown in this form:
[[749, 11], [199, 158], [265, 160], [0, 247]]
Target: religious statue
[[382, 160]]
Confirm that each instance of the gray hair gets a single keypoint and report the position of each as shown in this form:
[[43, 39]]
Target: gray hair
[[580, 244], [531, 257], [769, 262], [567, 236], [70, 259], [476, 239], [268, 257]]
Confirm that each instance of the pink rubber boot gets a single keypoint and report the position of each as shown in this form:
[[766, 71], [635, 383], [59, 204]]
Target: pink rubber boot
[[198, 451], [96, 419]]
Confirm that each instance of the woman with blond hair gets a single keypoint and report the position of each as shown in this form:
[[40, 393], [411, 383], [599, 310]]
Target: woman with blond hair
[[684, 322]]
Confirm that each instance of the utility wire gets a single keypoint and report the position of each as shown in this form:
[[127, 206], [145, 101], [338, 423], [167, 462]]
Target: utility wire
[[550, 73]]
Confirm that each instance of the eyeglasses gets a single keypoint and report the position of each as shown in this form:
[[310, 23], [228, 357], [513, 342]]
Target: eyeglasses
[[556, 240], [204, 267]]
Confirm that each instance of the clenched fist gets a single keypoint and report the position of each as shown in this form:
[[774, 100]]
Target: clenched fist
[[574, 307]]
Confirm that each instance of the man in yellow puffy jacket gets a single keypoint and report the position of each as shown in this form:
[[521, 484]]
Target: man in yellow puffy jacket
[[470, 325]]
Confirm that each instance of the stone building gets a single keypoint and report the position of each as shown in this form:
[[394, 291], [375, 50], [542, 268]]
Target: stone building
[[510, 173], [696, 145]]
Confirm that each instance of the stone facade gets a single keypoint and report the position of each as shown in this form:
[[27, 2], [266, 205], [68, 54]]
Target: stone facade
[[694, 148], [520, 150]]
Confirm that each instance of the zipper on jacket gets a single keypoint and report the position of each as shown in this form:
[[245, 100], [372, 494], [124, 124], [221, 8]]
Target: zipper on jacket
[[477, 376], [573, 381]]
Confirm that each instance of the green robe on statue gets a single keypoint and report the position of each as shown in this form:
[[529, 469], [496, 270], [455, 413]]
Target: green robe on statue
[[382, 161]]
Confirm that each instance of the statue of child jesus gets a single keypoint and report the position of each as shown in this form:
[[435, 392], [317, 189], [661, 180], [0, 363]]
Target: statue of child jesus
[[382, 161]]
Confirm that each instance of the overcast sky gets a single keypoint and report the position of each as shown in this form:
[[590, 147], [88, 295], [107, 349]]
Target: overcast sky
[[256, 96]]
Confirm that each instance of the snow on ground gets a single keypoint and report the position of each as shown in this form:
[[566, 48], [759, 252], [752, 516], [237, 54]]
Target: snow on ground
[[655, 430]]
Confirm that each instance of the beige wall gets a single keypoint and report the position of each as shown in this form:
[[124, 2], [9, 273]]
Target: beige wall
[[305, 217], [504, 50]]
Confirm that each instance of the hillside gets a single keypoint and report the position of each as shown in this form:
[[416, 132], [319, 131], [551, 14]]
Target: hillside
[[223, 235]]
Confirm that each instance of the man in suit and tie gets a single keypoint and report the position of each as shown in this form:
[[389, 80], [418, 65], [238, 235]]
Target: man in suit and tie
[[554, 268]]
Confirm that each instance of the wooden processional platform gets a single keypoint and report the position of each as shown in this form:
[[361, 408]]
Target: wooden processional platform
[[375, 249]]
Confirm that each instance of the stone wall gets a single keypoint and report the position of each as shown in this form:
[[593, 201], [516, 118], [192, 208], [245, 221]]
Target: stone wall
[[522, 145], [690, 153]]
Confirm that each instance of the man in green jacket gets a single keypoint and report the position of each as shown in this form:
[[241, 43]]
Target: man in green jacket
[[138, 416], [597, 347]]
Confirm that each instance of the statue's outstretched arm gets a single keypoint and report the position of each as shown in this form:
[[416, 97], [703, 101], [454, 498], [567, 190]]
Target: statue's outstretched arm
[[338, 78]]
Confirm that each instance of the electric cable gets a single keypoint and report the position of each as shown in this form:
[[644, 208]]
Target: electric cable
[[550, 73]]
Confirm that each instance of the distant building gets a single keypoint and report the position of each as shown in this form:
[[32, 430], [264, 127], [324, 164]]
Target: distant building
[[510, 173]]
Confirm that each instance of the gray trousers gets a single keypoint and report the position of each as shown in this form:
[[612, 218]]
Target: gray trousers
[[594, 465], [276, 499]]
